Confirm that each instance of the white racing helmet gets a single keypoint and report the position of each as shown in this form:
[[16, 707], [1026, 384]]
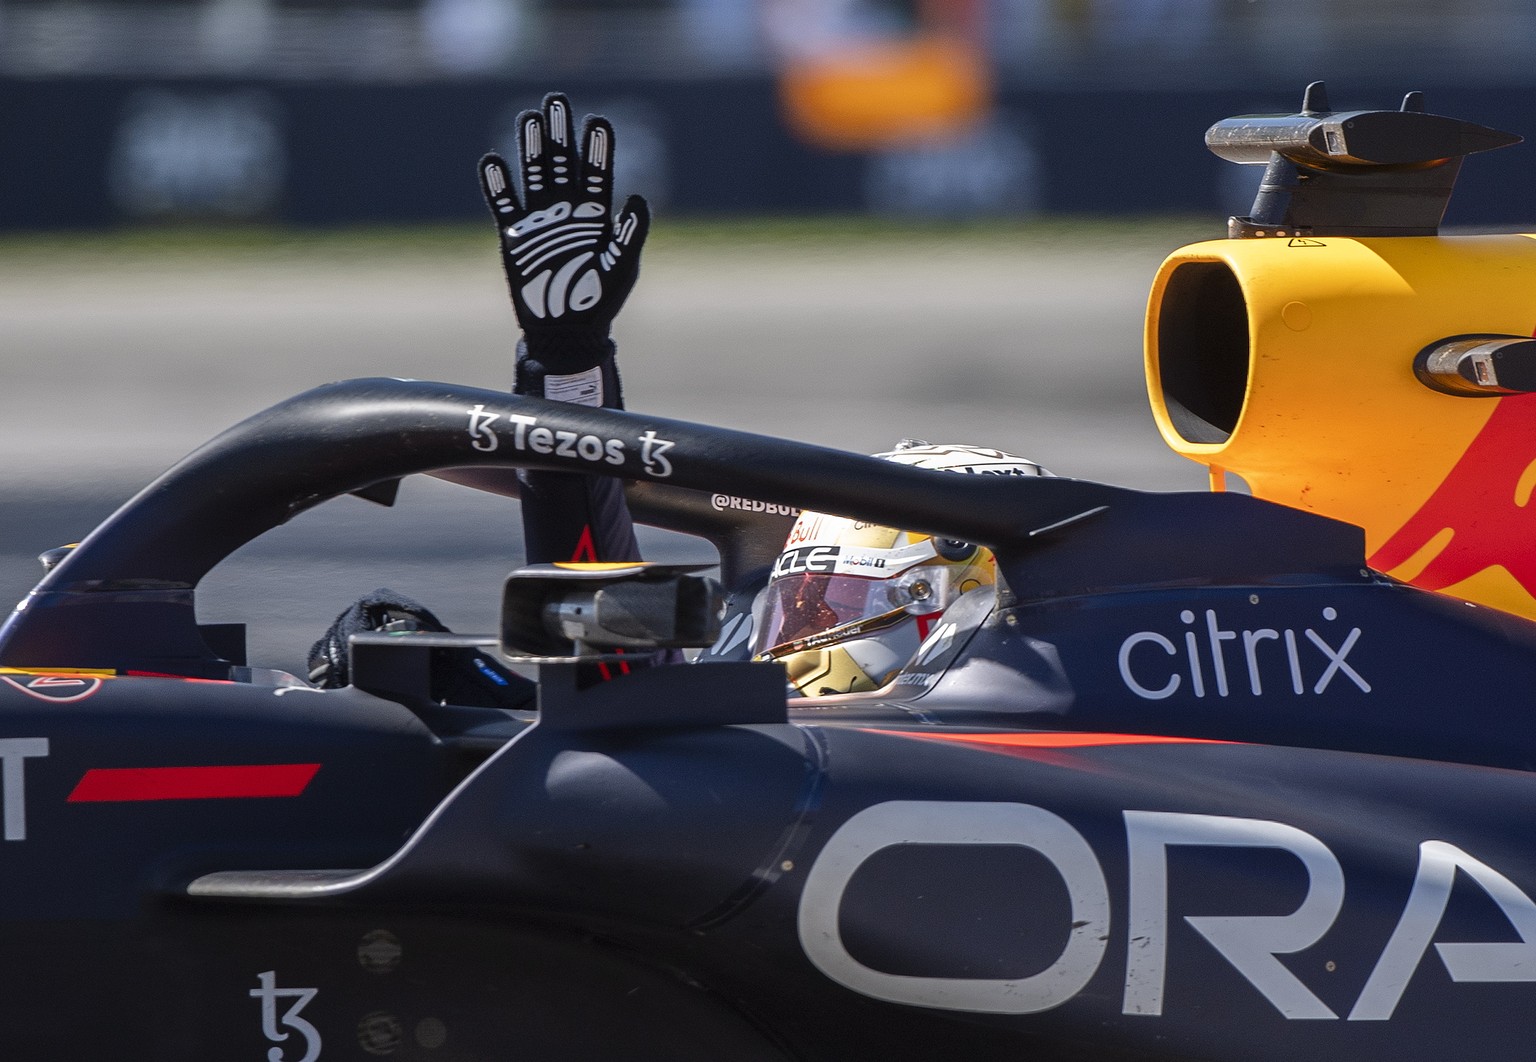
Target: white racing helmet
[[849, 602]]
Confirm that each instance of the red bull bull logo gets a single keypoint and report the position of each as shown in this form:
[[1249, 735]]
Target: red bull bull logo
[[1476, 535], [1293, 365]]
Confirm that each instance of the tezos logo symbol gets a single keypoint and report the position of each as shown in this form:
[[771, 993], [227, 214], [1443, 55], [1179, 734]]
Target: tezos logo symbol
[[269, 994]]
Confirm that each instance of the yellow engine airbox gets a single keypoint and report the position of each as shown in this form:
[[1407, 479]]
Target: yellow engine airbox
[[1290, 362]]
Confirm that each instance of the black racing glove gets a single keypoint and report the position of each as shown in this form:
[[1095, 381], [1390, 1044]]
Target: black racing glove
[[382, 610], [570, 263], [459, 674]]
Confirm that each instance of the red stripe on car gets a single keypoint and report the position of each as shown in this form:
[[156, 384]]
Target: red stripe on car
[[1056, 740], [113, 784]]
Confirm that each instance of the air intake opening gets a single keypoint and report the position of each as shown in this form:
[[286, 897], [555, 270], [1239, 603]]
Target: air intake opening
[[1202, 351]]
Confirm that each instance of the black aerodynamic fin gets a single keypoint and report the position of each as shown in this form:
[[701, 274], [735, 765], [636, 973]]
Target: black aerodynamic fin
[[1350, 173]]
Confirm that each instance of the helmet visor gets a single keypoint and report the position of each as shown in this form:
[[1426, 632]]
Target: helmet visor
[[811, 603]]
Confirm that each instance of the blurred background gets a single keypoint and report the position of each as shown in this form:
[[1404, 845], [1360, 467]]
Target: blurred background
[[346, 111], [876, 219]]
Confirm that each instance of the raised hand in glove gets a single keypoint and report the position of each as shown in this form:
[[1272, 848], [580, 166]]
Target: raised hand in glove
[[570, 262]]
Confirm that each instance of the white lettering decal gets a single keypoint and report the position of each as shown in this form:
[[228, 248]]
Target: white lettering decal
[[481, 437], [1249, 942], [520, 426], [1291, 656], [722, 502], [1196, 676], [528, 435], [806, 559], [14, 752], [1205, 647], [1137, 688], [1251, 640], [937, 822], [269, 994], [589, 448], [1336, 657], [1465, 961], [653, 455], [1217, 636]]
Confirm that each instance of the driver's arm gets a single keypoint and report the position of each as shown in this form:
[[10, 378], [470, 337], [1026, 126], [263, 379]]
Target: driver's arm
[[570, 264]]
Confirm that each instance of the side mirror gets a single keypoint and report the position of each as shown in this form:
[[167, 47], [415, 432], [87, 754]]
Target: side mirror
[[572, 609]]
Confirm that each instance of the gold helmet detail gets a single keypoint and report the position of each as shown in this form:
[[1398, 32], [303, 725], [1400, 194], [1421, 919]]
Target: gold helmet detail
[[850, 602]]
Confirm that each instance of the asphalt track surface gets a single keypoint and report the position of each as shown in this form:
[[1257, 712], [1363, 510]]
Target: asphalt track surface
[[118, 362]]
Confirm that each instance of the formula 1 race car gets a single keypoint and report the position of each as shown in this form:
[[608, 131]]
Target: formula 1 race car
[[1205, 776]]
